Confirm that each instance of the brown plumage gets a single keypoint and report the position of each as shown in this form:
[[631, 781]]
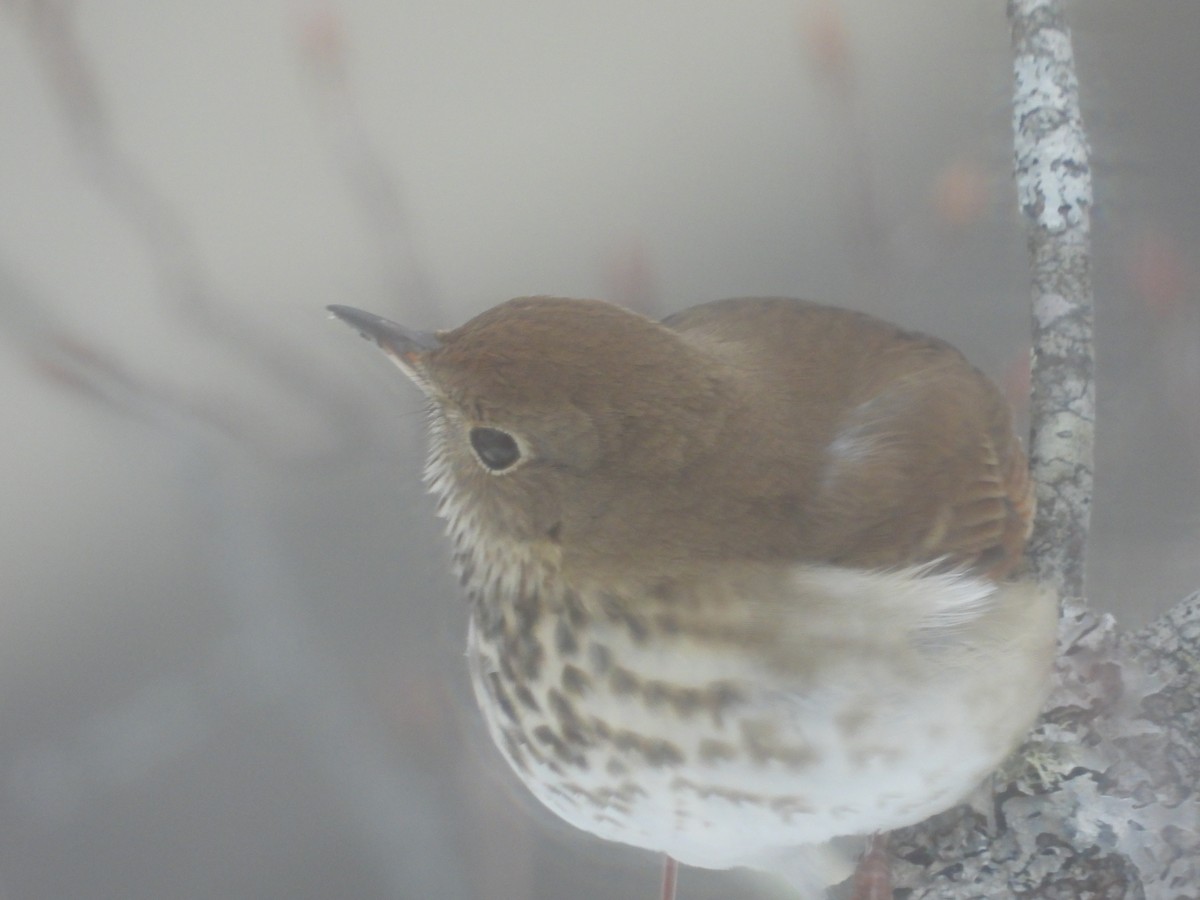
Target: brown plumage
[[768, 429], [739, 579]]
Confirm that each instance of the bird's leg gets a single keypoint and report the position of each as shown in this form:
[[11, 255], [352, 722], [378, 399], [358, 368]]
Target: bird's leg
[[873, 877], [670, 873]]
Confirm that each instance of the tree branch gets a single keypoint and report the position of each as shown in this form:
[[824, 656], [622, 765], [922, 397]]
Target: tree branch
[[1054, 189], [1101, 801]]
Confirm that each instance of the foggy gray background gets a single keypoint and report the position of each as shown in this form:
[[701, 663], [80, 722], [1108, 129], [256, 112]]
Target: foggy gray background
[[231, 652]]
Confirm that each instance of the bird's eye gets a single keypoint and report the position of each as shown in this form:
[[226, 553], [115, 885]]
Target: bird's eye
[[496, 449]]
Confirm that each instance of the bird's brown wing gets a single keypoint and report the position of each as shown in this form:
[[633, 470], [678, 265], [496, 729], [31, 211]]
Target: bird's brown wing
[[901, 452], [986, 524], [926, 469]]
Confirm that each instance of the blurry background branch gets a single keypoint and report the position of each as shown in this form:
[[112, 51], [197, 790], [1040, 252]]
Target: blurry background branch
[[269, 659], [169, 248], [370, 180]]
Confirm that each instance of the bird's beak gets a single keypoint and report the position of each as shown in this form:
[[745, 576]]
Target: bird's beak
[[404, 345]]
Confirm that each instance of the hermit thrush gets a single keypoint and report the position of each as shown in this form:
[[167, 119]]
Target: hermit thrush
[[737, 578]]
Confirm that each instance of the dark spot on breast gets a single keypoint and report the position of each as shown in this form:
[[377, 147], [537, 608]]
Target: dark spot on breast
[[490, 622], [685, 701], [601, 658], [719, 697], [554, 532], [500, 697], [761, 741], [712, 751], [655, 751], [655, 693], [705, 791], [574, 732], [528, 609], [616, 610], [529, 655], [626, 740], [506, 666], [630, 790], [545, 734], [663, 753], [623, 682], [576, 614], [575, 680], [525, 697], [637, 628], [564, 638], [559, 705]]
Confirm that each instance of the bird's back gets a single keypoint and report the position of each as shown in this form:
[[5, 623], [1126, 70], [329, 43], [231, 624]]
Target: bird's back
[[893, 447]]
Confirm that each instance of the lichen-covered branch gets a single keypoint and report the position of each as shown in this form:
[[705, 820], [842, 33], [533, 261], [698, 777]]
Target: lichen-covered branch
[[1054, 188], [1101, 802]]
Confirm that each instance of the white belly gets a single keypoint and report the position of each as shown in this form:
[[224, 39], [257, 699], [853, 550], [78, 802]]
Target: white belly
[[714, 760]]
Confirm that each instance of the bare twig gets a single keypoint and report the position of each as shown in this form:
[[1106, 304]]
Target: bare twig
[[831, 53], [372, 183], [63, 355], [169, 245], [270, 654], [1054, 186]]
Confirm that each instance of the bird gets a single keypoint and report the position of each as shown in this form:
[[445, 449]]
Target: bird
[[746, 583]]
